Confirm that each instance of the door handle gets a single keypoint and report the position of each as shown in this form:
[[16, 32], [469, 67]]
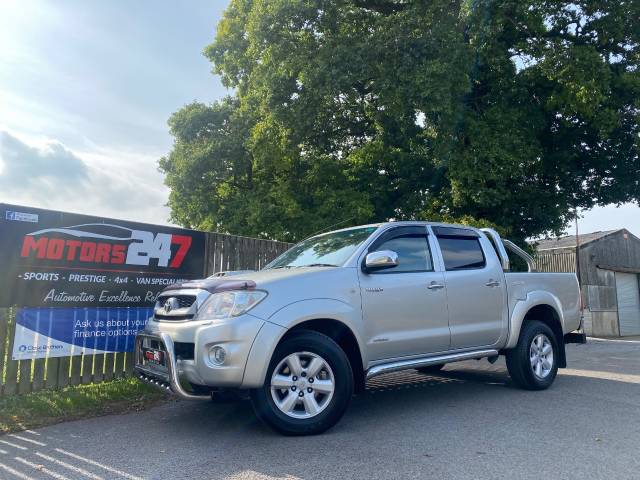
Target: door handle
[[435, 286], [492, 283]]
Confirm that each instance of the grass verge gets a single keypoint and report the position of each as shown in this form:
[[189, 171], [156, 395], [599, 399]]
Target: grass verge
[[20, 412]]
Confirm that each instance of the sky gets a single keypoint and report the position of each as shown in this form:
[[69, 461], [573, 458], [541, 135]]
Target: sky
[[86, 89]]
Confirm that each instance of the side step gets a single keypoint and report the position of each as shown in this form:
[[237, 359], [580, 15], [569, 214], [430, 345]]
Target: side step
[[427, 361]]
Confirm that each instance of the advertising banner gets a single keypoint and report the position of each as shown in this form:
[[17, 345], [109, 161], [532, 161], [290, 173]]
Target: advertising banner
[[87, 284], [63, 332]]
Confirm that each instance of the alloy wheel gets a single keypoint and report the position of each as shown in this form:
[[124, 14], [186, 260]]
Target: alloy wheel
[[302, 385], [541, 356]]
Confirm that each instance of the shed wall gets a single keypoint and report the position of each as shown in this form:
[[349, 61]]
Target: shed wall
[[599, 260]]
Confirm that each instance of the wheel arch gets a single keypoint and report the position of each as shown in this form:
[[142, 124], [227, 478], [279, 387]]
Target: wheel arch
[[544, 308], [340, 333], [314, 315]]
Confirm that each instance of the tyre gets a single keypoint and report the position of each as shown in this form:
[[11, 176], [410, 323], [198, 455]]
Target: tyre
[[431, 369], [533, 363], [308, 386]]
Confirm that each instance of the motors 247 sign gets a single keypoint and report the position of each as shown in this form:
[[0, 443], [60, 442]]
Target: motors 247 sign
[[86, 281]]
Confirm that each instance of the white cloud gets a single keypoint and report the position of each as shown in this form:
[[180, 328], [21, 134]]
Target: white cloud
[[25, 166], [47, 174]]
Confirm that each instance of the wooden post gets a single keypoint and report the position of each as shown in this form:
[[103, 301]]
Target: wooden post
[[76, 368], [87, 368], [56, 376], [109, 362], [119, 365], [37, 382], [11, 368], [98, 367], [128, 364], [25, 376], [4, 329]]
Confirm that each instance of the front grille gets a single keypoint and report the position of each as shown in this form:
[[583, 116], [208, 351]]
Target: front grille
[[182, 307], [185, 301]]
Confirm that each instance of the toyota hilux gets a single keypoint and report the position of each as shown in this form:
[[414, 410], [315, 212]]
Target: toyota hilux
[[305, 333]]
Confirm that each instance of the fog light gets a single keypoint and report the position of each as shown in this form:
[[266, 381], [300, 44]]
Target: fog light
[[217, 355]]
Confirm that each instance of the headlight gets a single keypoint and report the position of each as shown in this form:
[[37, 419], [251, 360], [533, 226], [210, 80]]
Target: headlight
[[229, 304]]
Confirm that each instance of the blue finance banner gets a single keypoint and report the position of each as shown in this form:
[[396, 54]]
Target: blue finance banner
[[60, 332]]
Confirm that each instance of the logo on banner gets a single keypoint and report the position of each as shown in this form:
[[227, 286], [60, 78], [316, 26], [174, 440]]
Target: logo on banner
[[21, 216], [100, 243], [38, 348]]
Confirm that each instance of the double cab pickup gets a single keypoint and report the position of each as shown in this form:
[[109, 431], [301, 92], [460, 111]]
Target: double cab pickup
[[304, 333]]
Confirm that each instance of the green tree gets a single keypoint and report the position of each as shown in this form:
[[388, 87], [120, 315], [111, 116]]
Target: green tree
[[497, 113]]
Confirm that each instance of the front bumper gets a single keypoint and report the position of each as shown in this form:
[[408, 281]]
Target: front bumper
[[169, 380], [248, 341]]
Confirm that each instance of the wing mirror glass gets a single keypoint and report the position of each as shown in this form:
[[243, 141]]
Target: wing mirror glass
[[381, 259]]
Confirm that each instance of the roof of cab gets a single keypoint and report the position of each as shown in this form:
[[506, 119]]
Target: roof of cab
[[398, 223]]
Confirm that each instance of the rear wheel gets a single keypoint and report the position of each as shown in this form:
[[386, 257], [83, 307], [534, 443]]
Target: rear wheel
[[308, 386], [533, 363]]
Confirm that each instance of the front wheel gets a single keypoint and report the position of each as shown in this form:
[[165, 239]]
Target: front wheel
[[308, 386], [533, 363]]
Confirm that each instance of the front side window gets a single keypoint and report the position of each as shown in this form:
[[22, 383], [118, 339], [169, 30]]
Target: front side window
[[461, 253], [329, 250], [413, 253]]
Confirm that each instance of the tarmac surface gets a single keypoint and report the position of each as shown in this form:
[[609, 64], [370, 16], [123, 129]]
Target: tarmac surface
[[469, 422]]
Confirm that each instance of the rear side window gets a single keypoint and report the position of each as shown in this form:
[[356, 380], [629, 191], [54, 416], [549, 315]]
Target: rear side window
[[413, 253], [461, 253]]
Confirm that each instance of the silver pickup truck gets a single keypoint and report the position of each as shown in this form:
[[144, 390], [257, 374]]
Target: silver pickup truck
[[306, 332]]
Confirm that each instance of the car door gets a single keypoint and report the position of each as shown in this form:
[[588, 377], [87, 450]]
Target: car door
[[404, 307], [475, 288]]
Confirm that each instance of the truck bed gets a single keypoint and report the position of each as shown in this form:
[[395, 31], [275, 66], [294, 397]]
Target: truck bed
[[563, 287]]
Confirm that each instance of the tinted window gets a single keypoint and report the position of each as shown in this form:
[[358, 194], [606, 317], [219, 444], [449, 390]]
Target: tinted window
[[460, 253], [413, 253]]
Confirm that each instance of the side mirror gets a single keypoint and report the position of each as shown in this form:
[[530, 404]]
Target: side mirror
[[380, 260]]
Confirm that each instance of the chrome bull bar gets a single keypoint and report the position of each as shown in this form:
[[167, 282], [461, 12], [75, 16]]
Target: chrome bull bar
[[170, 381]]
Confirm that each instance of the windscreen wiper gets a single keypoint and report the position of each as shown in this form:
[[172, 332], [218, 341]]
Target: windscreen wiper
[[320, 265]]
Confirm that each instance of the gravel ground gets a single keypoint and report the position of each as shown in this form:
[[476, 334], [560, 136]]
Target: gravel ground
[[467, 423]]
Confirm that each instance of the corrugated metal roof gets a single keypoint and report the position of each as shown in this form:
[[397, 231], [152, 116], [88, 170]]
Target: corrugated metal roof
[[570, 240]]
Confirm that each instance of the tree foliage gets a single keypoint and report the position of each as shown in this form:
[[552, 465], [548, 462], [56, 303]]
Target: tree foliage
[[503, 113]]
